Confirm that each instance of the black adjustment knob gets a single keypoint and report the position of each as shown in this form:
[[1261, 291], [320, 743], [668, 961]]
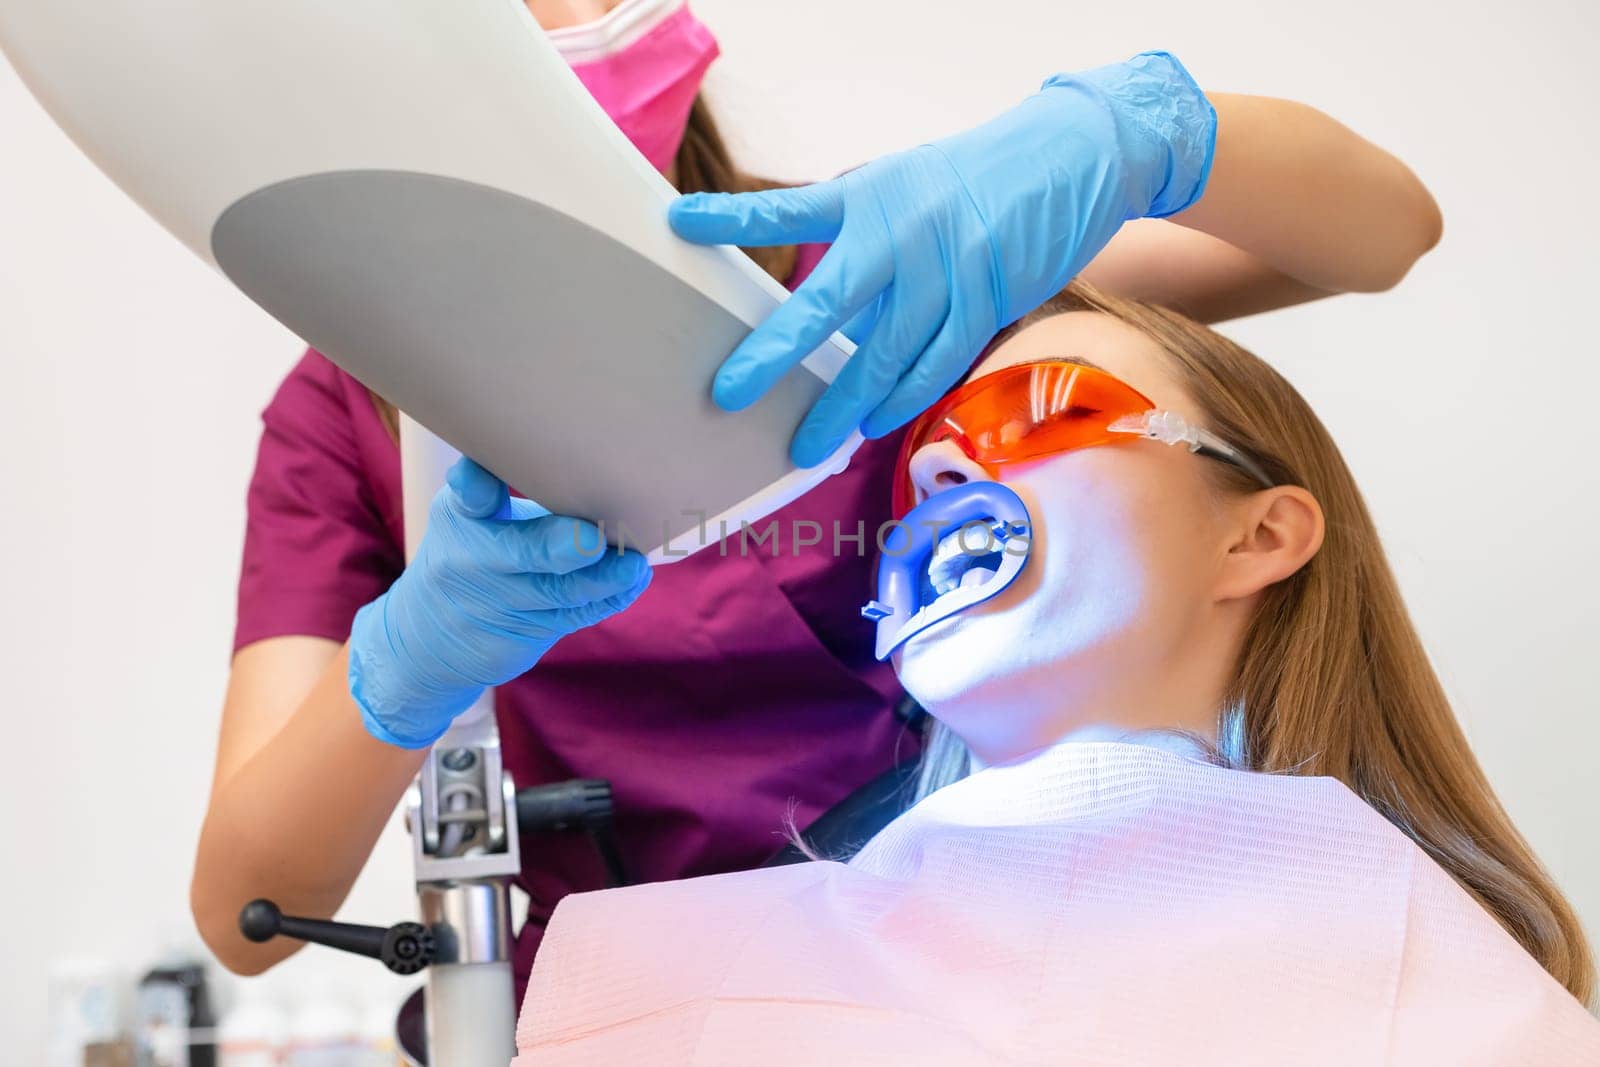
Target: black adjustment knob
[[404, 948], [407, 948], [260, 921]]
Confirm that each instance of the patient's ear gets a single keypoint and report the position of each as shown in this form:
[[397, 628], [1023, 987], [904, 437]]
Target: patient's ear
[[1277, 532]]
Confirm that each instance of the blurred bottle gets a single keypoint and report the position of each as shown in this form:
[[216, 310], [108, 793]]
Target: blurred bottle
[[174, 1023], [87, 1004]]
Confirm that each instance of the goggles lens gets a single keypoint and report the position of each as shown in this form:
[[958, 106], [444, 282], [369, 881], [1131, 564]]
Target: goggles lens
[[1020, 413]]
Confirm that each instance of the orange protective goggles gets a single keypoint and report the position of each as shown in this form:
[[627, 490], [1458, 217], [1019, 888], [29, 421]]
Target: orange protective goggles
[[1044, 407]]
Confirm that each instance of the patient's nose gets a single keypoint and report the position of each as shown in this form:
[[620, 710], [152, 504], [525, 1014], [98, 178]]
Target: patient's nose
[[939, 466]]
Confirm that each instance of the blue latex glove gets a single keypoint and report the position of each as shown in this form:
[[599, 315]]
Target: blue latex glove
[[937, 248], [495, 583]]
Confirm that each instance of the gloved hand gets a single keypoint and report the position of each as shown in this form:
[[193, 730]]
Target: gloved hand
[[937, 248], [496, 582]]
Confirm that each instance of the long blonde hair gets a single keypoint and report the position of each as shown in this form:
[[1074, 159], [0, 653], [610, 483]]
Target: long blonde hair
[[1332, 678]]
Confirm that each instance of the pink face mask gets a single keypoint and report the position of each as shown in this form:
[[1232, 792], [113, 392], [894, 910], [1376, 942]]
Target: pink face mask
[[643, 62]]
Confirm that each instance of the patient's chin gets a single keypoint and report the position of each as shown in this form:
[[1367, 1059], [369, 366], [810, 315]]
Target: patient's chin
[[954, 667]]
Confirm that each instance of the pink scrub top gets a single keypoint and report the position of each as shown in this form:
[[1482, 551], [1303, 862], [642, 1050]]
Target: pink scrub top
[[734, 689]]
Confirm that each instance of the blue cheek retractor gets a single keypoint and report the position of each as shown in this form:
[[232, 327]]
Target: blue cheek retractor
[[905, 605]]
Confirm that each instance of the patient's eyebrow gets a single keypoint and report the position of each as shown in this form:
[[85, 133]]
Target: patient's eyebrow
[[1075, 361], [1079, 360]]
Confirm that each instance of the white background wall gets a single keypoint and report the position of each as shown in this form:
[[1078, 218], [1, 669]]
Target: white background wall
[[132, 378]]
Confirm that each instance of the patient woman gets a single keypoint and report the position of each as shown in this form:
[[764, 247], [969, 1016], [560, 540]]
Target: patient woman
[[1198, 796]]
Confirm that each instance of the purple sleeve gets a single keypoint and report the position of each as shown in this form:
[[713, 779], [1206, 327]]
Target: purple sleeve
[[317, 542]]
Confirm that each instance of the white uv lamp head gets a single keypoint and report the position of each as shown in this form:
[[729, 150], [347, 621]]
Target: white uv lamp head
[[427, 195]]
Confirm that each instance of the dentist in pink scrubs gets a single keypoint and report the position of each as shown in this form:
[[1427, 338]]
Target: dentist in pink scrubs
[[731, 686], [720, 692]]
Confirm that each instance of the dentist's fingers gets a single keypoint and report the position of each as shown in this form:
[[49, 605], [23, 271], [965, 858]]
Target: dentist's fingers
[[564, 620], [806, 215], [840, 286], [914, 307], [478, 494], [860, 328], [517, 509], [549, 544], [605, 576], [938, 367]]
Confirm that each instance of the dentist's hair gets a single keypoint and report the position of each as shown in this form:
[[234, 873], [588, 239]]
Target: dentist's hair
[[1332, 678]]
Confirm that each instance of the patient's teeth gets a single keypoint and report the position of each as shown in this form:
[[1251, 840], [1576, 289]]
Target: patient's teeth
[[951, 564], [975, 576]]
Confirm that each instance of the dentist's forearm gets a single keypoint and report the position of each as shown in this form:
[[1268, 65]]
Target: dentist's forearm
[[1311, 198], [297, 821]]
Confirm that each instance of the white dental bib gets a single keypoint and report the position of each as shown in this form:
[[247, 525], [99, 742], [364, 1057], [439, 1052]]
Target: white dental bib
[[1100, 903]]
